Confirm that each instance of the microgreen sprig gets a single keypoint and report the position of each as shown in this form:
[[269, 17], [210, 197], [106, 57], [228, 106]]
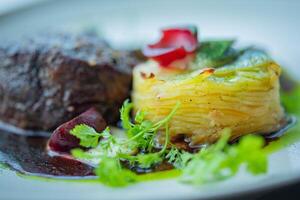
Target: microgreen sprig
[[215, 162]]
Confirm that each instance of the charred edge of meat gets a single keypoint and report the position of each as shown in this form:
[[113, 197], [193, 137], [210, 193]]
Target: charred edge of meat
[[50, 79]]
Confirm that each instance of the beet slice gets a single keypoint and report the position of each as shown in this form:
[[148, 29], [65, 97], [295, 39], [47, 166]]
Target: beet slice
[[62, 141]]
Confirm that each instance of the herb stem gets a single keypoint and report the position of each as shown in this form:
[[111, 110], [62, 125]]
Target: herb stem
[[168, 117], [167, 138], [134, 137]]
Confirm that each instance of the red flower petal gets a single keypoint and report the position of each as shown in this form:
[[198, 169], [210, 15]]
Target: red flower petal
[[175, 44]]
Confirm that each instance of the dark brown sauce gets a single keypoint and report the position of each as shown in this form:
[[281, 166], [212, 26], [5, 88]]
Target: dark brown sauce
[[28, 155]]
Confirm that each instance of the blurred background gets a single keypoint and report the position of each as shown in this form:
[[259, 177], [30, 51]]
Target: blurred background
[[272, 24]]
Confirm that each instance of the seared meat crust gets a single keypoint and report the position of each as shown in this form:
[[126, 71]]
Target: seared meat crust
[[50, 79]]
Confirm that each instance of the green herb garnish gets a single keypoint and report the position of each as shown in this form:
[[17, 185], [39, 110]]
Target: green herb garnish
[[215, 53], [143, 132], [290, 100], [215, 162], [111, 173], [178, 158], [87, 135], [220, 161], [111, 151]]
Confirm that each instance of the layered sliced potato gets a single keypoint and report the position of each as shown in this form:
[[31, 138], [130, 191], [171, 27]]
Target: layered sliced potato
[[242, 95]]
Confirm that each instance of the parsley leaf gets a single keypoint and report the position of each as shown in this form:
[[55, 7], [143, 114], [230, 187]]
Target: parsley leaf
[[111, 173], [220, 161], [109, 151], [109, 141], [87, 135], [148, 160], [139, 117], [215, 162], [143, 131], [125, 114], [178, 158], [249, 152]]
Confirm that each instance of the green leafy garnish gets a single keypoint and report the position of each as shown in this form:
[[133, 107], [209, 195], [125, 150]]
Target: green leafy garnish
[[214, 162], [87, 135], [148, 160], [290, 100], [143, 132], [125, 114], [220, 161], [109, 141], [215, 53], [178, 158], [111, 151], [111, 173], [80, 154]]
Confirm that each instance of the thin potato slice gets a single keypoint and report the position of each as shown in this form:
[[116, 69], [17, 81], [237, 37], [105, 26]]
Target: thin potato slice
[[242, 96]]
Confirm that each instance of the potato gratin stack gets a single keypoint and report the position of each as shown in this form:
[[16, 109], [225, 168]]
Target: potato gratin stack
[[218, 87]]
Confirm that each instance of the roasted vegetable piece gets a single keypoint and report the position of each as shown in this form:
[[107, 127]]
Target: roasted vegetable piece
[[62, 141], [242, 95]]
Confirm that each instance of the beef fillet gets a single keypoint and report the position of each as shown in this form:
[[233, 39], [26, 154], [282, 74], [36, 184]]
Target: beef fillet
[[50, 79]]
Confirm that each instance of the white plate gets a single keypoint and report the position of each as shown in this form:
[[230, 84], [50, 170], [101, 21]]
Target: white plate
[[271, 24]]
